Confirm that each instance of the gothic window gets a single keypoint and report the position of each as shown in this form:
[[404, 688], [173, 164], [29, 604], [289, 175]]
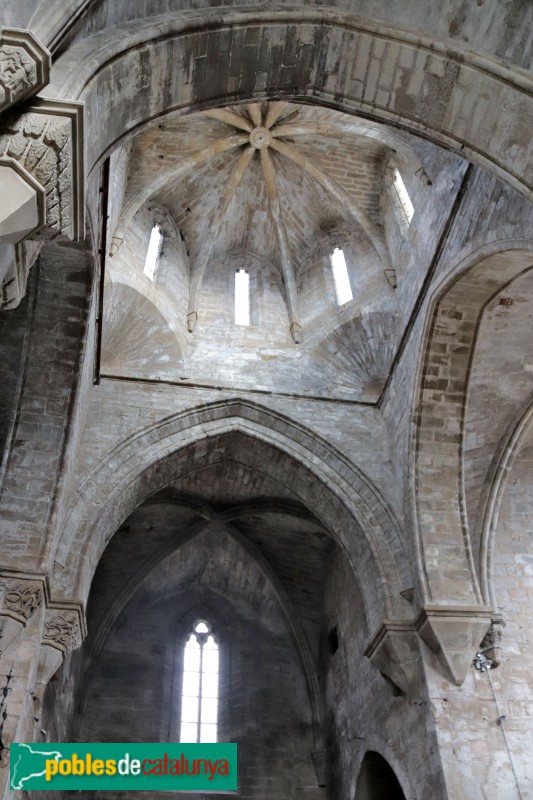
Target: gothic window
[[154, 251], [199, 696], [341, 279], [242, 297], [401, 201]]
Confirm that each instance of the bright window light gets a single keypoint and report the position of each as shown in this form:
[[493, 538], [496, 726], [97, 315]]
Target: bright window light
[[199, 697], [153, 252], [242, 297], [340, 277], [404, 201]]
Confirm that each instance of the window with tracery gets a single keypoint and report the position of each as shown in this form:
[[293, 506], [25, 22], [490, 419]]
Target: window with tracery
[[154, 251], [341, 279], [199, 697]]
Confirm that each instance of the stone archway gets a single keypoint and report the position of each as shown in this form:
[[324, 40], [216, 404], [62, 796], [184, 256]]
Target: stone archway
[[453, 604], [376, 780], [451, 341], [339, 495], [349, 63]]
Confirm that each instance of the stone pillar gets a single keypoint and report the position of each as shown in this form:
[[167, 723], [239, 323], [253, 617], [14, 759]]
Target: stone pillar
[[34, 654], [22, 604], [472, 749]]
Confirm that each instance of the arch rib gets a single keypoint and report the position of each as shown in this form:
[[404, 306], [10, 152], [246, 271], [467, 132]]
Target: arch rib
[[332, 187]]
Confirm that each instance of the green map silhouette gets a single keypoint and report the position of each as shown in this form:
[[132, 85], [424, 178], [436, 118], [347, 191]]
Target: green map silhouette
[[28, 762]]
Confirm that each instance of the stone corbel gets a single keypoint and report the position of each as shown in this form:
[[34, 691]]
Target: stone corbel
[[21, 594], [42, 143], [64, 631], [319, 758], [23, 202], [24, 66], [394, 650], [22, 212], [453, 634]]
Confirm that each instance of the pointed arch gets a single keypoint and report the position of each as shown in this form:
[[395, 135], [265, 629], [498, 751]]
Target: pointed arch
[[377, 780], [337, 492], [452, 330], [456, 78], [519, 434]]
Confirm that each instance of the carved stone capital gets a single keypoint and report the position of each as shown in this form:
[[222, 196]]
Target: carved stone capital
[[21, 595], [64, 627], [491, 645], [24, 66], [64, 630], [22, 599], [453, 634], [47, 141]]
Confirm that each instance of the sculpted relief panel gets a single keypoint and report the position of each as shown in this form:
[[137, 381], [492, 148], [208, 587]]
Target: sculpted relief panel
[[46, 140], [43, 144], [62, 630], [24, 66]]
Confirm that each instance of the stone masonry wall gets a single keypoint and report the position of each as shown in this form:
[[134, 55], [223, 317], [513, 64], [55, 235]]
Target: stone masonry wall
[[131, 692], [364, 711], [470, 735]]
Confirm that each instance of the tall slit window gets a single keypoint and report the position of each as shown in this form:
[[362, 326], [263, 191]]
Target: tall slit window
[[154, 251], [242, 297], [199, 698], [402, 201], [341, 279]]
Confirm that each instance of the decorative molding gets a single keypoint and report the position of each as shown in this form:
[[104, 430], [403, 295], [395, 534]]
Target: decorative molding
[[47, 141], [64, 626], [24, 66], [453, 634]]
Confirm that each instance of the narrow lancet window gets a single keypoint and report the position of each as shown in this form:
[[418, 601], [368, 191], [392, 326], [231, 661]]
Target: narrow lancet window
[[199, 698], [242, 297], [341, 278], [153, 252], [403, 201]]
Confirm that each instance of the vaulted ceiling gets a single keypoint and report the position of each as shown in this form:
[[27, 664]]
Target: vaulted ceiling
[[271, 187]]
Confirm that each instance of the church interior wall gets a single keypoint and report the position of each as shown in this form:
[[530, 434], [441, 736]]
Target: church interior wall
[[345, 487], [378, 715], [496, 708], [130, 695]]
